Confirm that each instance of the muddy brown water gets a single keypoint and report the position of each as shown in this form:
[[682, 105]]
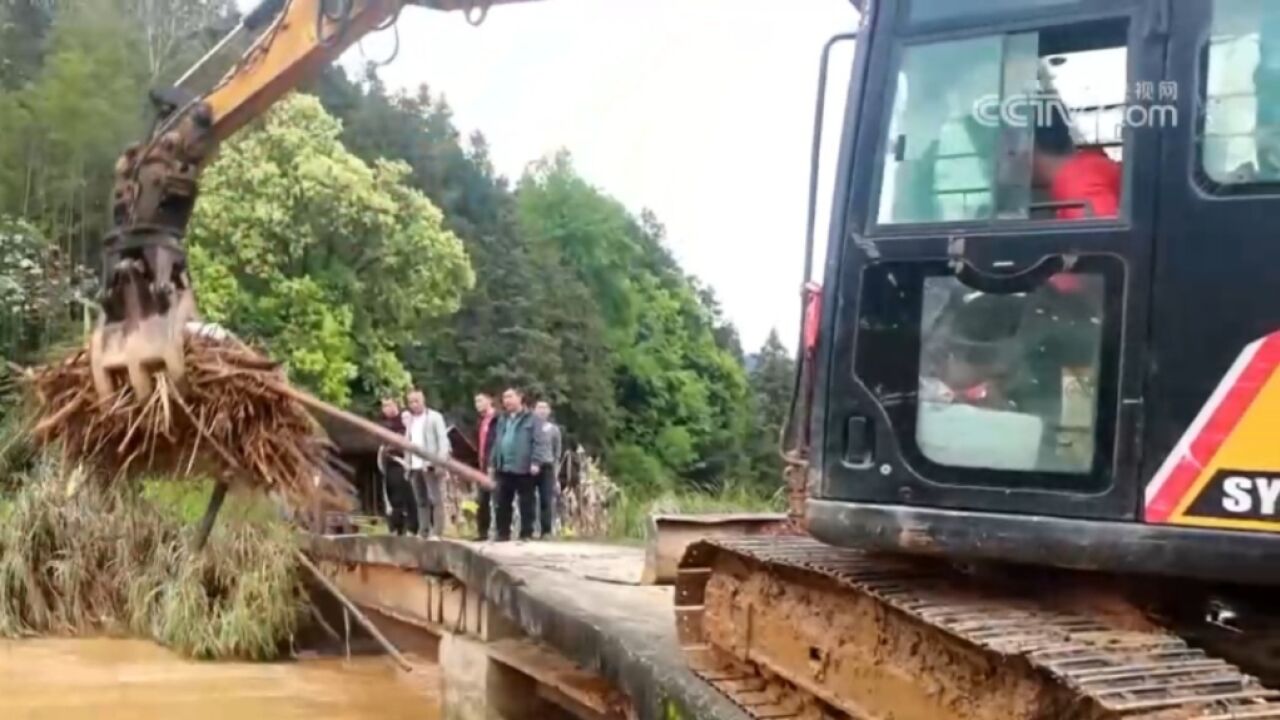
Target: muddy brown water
[[116, 679]]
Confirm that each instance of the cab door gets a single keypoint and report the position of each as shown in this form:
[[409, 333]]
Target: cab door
[[990, 321]]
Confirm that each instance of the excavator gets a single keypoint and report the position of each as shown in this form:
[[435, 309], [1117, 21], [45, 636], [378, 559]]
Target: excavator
[[1036, 428]]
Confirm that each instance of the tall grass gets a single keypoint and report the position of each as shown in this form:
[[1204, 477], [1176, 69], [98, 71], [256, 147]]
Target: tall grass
[[16, 447], [629, 516], [78, 559]]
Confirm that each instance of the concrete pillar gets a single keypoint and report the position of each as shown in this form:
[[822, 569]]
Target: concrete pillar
[[464, 679], [477, 688]]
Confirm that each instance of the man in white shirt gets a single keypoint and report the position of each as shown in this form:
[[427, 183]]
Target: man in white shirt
[[425, 427]]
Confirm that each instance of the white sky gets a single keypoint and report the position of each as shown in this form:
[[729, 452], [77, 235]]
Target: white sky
[[699, 109]]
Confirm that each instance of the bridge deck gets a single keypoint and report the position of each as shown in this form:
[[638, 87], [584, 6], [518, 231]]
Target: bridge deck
[[581, 599]]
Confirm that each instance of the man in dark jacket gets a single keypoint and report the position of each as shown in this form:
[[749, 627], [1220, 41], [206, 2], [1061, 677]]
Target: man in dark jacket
[[398, 496], [520, 450], [486, 430]]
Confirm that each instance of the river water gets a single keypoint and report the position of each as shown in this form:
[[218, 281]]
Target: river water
[[117, 679]]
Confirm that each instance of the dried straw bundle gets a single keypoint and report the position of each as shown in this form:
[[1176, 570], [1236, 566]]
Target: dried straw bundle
[[232, 420]]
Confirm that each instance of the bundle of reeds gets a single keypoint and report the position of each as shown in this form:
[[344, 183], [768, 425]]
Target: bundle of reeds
[[234, 418]]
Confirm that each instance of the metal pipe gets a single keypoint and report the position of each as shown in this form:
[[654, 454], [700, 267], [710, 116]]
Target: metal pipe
[[259, 17], [199, 64], [217, 332], [811, 220], [815, 155], [458, 469]]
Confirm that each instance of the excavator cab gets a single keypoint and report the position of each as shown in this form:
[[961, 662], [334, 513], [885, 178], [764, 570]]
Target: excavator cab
[[1050, 326]]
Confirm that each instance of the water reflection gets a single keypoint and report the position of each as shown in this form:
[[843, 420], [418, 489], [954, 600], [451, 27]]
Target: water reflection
[[117, 679]]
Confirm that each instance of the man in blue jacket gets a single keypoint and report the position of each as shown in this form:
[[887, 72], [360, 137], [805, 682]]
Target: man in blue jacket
[[520, 451]]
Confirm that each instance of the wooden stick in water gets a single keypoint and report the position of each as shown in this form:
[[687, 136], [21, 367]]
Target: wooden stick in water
[[365, 622], [210, 515]]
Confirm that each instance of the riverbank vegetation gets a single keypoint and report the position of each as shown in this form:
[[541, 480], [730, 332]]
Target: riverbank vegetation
[[79, 559]]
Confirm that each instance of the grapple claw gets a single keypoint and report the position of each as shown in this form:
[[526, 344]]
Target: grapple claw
[[146, 337], [138, 351]]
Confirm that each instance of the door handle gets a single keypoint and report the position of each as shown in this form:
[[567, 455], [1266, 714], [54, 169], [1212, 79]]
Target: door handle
[[859, 441], [1019, 281], [1085, 206]]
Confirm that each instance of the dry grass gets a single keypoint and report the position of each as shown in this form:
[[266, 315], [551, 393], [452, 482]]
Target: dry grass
[[78, 558], [586, 506], [229, 421]]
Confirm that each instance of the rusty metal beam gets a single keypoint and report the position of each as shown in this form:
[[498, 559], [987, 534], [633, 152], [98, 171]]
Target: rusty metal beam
[[584, 694], [668, 536]]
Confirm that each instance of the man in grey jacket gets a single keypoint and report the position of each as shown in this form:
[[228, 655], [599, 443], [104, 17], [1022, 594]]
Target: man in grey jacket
[[549, 478], [520, 451], [425, 427]]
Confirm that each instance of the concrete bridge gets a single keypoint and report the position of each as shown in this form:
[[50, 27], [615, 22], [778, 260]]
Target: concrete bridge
[[529, 631]]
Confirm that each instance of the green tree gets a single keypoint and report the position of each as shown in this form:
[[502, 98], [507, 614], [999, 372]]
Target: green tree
[[593, 233], [529, 320], [74, 76], [175, 33], [772, 380], [336, 265], [38, 290], [576, 298], [23, 25], [681, 392], [61, 133]]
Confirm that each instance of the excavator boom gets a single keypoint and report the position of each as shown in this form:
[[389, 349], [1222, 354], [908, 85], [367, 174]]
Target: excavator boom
[[148, 299]]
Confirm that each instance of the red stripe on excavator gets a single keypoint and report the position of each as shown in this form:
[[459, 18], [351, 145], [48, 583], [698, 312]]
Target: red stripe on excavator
[[1156, 487], [1218, 419]]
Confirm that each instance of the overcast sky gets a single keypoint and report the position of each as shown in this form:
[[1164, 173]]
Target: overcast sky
[[699, 109]]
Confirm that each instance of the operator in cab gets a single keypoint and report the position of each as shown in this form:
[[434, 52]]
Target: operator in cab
[[1082, 183], [1013, 353]]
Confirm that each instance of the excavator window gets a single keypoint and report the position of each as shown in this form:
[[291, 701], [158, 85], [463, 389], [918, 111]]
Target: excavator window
[[964, 136], [1240, 140], [930, 10], [998, 388], [1007, 380]]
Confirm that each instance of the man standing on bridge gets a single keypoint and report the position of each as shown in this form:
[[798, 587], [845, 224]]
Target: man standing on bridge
[[549, 478], [401, 516], [520, 451], [425, 428], [485, 432]]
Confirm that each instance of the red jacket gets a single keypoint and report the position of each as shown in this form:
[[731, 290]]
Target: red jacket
[[484, 436], [1092, 177]]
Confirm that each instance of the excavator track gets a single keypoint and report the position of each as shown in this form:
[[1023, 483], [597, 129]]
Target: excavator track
[[792, 628]]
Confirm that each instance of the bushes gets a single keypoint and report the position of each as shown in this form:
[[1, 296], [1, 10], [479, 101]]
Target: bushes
[[646, 487], [38, 288], [637, 471], [76, 559], [629, 515]]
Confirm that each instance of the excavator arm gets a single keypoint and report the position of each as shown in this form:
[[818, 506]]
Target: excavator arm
[[147, 298]]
